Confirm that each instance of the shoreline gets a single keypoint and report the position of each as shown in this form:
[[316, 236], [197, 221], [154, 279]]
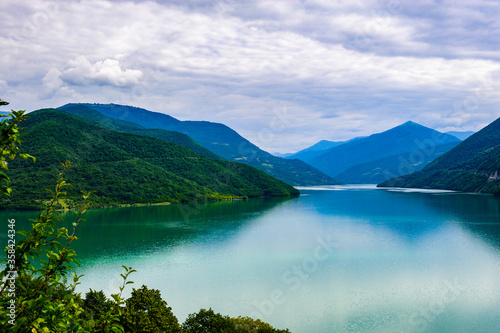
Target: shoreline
[[166, 203]]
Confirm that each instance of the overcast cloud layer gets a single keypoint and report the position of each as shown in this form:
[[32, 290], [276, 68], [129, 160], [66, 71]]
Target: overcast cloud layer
[[284, 74]]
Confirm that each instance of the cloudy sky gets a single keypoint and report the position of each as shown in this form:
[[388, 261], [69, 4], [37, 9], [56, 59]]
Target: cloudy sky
[[283, 73]]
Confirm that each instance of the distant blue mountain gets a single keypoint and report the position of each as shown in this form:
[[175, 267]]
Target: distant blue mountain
[[461, 135], [401, 140], [472, 166], [317, 149]]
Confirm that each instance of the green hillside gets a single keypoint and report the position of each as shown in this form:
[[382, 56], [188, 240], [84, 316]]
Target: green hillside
[[472, 166], [124, 168], [221, 140], [95, 117]]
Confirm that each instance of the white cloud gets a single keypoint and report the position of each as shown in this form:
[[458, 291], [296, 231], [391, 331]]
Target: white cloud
[[108, 72], [3, 85], [52, 81]]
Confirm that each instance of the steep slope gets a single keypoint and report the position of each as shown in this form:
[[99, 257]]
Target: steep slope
[[222, 141], [97, 118], [472, 166], [389, 167], [124, 168], [407, 137]]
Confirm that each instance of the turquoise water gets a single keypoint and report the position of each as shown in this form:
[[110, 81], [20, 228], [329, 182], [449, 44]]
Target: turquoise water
[[337, 259]]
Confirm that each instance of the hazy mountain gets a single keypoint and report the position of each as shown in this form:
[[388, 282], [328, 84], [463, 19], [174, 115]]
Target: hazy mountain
[[461, 135], [124, 168], [282, 155], [472, 166], [317, 149], [221, 140], [402, 139], [389, 167]]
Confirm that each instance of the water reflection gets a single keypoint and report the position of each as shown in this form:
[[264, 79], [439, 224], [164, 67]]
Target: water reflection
[[349, 260]]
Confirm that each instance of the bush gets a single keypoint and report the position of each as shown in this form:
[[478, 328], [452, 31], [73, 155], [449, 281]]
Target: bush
[[207, 321], [147, 312]]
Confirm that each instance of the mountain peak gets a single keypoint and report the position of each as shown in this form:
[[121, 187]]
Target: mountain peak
[[411, 123]]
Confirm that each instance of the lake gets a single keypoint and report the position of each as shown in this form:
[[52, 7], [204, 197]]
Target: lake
[[336, 259]]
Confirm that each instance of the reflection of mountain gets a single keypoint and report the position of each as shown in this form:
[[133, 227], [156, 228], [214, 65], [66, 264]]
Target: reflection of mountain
[[412, 214], [479, 214], [487, 232], [145, 229]]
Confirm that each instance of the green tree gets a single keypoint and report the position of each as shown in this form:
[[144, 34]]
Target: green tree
[[250, 325], [34, 293], [147, 312], [207, 321], [96, 303], [10, 140]]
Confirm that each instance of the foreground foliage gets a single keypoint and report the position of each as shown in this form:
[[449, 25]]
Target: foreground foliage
[[207, 321], [35, 295]]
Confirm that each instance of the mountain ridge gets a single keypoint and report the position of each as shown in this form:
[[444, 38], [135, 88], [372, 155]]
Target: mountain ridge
[[401, 139], [472, 166], [124, 168], [221, 140]]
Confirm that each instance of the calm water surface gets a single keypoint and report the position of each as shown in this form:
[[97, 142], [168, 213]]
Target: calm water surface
[[337, 259]]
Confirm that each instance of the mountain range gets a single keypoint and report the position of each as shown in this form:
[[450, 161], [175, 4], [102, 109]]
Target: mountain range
[[220, 140], [317, 149], [190, 153], [472, 166], [125, 168], [378, 157]]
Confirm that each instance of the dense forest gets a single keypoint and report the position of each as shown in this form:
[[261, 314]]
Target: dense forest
[[221, 140], [472, 166], [124, 168], [94, 117]]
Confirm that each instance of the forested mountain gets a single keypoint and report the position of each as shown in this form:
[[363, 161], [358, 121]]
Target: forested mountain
[[222, 141], [124, 168], [95, 117], [402, 139], [472, 166]]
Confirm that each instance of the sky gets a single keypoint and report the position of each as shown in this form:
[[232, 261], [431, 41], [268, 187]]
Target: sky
[[284, 74]]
